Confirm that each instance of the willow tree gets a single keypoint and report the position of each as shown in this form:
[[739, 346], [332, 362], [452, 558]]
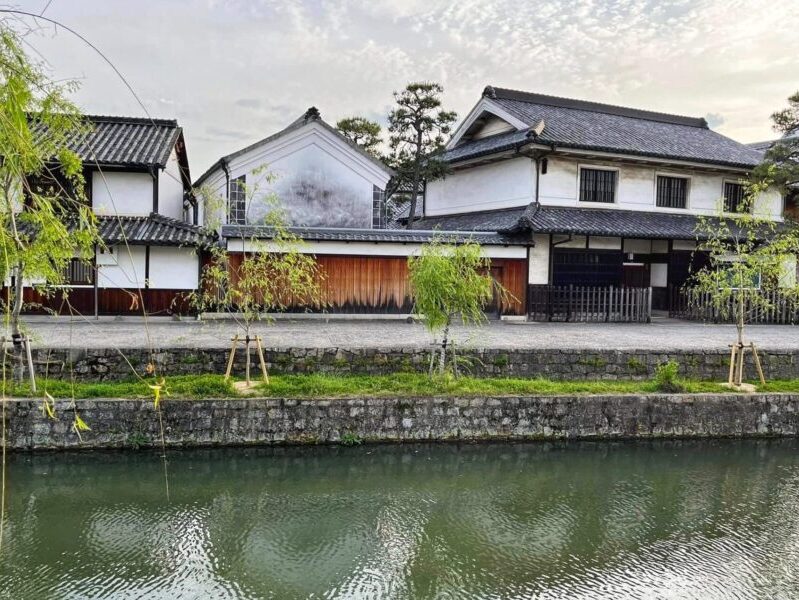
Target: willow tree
[[45, 220], [449, 281], [748, 274], [269, 276]]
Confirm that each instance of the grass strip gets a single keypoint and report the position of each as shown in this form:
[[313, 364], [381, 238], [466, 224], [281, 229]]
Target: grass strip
[[354, 386]]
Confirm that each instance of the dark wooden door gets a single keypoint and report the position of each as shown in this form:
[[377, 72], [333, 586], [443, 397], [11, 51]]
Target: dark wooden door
[[636, 275]]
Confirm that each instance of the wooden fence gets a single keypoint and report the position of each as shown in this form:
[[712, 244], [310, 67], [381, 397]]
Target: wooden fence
[[589, 304], [694, 305]]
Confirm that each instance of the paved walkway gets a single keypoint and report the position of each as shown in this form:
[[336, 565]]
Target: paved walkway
[[662, 334]]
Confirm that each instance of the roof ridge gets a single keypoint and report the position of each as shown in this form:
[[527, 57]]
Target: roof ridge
[[588, 105], [134, 120]]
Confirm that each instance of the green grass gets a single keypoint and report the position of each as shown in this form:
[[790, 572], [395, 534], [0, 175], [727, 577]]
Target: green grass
[[399, 384]]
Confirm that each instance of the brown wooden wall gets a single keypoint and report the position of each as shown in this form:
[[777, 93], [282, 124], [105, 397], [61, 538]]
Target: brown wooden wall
[[110, 301], [379, 284]]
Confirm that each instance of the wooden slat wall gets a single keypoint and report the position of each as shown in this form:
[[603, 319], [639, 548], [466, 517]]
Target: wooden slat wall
[[111, 301], [379, 284]]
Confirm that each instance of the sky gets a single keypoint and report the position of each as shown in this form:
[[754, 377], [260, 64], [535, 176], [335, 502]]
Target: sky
[[232, 72]]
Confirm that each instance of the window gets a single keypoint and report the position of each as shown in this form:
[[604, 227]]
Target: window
[[597, 185], [237, 201], [78, 272], [734, 197], [378, 208], [672, 192]]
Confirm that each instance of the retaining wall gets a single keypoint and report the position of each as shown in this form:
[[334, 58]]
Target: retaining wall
[[126, 423], [108, 364]]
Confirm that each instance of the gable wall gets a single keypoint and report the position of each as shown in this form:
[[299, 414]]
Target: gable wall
[[318, 178], [170, 189], [493, 126]]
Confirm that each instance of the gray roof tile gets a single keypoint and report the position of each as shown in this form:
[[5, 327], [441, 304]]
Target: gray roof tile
[[605, 128], [127, 141], [373, 235], [154, 230]]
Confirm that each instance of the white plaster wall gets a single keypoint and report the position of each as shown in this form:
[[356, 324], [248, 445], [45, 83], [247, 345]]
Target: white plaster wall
[[604, 243], [563, 241], [173, 268], [638, 246], [124, 268], [122, 193], [212, 200], [170, 189], [659, 274], [636, 188], [660, 246], [503, 184], [538, 266]]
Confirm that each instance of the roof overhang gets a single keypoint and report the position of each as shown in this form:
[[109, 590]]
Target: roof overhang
[[483, 107]]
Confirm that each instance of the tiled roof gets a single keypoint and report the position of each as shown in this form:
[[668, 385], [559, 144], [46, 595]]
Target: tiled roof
[[372, 235], [489, 220], [585, 125], [610, 222], [518, 223], [154, 229], [127, 141]]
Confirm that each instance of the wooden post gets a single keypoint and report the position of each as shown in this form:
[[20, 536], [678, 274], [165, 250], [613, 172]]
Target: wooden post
[[733, 356], [757, 364], [261, 356], [235, 341], [31, 373]]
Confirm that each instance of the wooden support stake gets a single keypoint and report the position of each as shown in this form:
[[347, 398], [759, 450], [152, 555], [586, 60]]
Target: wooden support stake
[[261, 356], [733, 356], [31, 372], [235, 341], [757, 364], [741, 359]]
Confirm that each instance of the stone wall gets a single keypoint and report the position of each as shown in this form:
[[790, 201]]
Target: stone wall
[[135, 423], [108, 364]]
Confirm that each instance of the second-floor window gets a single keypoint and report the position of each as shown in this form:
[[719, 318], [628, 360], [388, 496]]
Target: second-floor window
[[734, 197], [597, 185], [237, 201], [672, 192]]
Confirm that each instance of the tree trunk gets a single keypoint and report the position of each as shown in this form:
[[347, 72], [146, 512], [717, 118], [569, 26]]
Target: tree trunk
[[417, 168], [442, 361], [16, 330], [739, 325], [247, 356]]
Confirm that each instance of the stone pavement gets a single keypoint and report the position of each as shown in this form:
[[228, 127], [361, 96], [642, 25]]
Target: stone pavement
[[162, 332]]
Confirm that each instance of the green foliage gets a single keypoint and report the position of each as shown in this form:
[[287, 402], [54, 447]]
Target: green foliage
[[636, 366], [666, 378], [448, 280], [748, 253], [418, 127], [350, 439], [781, 163], [595, 362], [272, 276], [363, 132], [45, 219]]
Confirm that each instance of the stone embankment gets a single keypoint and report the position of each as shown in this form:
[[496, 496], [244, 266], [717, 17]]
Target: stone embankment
[[110, 364], [135, 423]]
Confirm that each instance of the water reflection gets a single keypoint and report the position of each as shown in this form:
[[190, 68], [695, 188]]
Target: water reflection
[[667, 520]]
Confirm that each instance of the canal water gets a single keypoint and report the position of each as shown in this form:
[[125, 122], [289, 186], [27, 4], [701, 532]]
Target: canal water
[[714, 519]]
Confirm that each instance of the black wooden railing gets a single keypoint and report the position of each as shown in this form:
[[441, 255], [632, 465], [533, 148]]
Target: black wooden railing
[[589, 303], [777, 308]]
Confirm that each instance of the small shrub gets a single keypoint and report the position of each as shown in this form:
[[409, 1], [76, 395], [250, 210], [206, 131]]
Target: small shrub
[[636, 366], [501, 360], [597, 362], [137, 440], [666, 378], [350, 439]]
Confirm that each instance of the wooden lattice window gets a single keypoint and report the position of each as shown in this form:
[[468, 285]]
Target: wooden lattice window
[[672, 192], [597, 185]]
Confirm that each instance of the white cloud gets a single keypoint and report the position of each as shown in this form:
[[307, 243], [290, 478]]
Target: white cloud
[[248, 68]]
